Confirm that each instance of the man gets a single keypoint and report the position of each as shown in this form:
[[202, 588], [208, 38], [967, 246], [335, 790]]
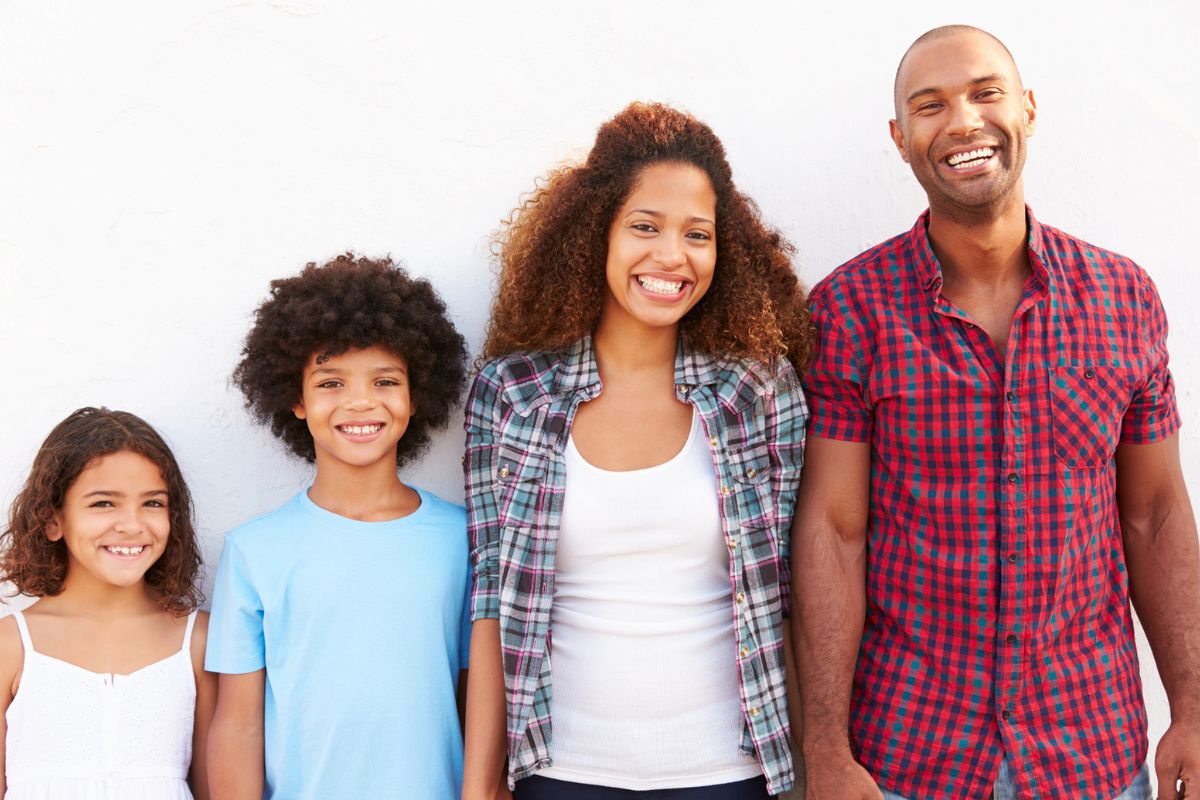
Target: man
[[989, 397]]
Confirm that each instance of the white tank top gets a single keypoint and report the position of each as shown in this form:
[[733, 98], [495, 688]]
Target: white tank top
[[643, 665], [76, 734]]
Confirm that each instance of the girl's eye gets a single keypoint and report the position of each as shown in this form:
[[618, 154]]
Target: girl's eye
[[155, 504], [101, 504]]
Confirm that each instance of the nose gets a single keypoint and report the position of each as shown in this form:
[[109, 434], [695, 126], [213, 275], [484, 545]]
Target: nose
[[668, 252], [130, 520], [361, 399], [964, 119]]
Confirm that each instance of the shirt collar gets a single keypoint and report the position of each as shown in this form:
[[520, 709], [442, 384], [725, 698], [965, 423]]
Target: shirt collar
[[929, 271], [578, 368]]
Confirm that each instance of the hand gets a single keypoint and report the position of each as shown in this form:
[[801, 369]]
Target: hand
[[838, 777], [1178, 759]]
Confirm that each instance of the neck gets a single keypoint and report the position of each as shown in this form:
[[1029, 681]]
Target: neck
[[984, 248], [83, 594], [624, 345], [368, 493]]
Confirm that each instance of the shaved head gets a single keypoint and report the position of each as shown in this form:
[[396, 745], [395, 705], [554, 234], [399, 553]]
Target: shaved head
[[945, 32]]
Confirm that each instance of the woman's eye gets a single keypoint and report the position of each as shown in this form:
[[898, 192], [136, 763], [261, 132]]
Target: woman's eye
[[644, 227], [702, 236]]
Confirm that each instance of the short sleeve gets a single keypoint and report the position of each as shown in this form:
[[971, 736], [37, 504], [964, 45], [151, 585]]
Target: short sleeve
[[833, 383], [235, 628], [1152, 414], [464, 630]]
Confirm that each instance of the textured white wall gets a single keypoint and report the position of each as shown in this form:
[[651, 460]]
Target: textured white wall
[[160, 162]]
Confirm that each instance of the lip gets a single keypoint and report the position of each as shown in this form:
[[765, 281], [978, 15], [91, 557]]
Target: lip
[[686, 284], [123, 556], [943, 160], [360, 438]]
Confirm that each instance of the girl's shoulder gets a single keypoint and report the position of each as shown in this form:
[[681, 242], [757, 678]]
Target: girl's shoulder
[[199, 639], [12, 655]]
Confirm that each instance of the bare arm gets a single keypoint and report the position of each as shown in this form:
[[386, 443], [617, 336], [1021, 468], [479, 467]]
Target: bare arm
[[486, 745], [235, 739], [12, 661], [206, 701], [829, 559], [1161, 552]]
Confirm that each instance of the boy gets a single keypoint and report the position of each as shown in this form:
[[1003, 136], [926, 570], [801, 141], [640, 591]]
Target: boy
[[339, 620]]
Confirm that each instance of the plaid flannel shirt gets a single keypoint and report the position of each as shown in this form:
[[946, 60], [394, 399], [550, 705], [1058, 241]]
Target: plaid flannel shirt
[[518, 417], [998, 621]]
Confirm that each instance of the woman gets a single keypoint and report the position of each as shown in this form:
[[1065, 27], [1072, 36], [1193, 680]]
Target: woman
[[634, 443]]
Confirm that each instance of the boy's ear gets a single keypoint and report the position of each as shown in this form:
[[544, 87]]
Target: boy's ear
[[54, 531], [299, 411]]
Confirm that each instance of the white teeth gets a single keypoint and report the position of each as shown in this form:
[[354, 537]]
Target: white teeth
[[360, 430], [659, 286], [125, 551], [970, 159]]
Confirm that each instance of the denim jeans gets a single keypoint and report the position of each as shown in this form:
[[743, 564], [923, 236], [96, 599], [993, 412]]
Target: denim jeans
[[1138, 790], [539, 788]]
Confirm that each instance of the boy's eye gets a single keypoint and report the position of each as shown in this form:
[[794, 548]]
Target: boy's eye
[[330, 384], [387, 382]]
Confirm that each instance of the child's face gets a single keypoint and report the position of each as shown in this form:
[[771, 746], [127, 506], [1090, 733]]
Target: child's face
[[357, 406], [114, 519]]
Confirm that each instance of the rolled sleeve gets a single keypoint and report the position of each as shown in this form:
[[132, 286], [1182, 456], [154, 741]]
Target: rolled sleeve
[[1153, 414], [786, 415], [479, 465], [833, 384]]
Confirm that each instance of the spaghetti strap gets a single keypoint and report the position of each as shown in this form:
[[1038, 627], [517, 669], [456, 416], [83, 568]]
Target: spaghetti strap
[[25, 640], [187, 635]]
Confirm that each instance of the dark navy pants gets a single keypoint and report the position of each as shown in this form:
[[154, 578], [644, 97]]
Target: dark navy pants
[[539, 788]]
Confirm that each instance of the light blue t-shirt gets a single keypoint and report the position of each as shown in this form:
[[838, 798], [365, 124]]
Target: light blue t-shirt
[[363, 628]]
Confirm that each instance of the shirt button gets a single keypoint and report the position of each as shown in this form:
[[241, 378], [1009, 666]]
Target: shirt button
[[505, 472], [1011, 638], [1012, 558], [745, 652], [754, 711], [725, 490], [732, 543], [1010, 396], [1006, 714], [681, 388], [1089, 374], [1012, 477], [750, 473], [741, 598], [712, 441]]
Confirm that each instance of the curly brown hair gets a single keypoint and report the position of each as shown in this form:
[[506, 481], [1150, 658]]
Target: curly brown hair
[[37, 566], [351, 303], [553, 247]]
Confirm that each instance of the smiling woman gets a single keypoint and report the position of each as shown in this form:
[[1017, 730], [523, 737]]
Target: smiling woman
[[632, 460]]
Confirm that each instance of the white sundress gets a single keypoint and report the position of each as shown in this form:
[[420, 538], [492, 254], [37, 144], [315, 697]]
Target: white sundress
[[80, 735]]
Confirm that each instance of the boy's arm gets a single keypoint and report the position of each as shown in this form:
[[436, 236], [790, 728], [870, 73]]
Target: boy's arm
[[486, 740], [206, 701], [235, 739]]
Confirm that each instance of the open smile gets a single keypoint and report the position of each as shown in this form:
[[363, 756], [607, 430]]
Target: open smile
[[125, 552], [969, 161], [662, 288], [360, 431]]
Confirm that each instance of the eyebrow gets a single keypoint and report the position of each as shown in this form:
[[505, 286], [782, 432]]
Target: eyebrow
[[995, 76], [114, 493], [659, 215]]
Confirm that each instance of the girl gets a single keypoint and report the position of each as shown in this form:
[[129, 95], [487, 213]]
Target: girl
[[632, 460], [102, 682]]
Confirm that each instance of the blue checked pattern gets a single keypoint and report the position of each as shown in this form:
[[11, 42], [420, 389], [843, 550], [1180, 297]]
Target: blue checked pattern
[[998, 622], [518, 417]]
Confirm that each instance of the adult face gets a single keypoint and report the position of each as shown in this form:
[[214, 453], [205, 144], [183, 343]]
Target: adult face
[[962, 120], [662, 246]]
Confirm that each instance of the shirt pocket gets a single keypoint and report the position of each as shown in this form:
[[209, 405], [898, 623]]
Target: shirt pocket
[[750, 468], [1087, 404], [519, 478]]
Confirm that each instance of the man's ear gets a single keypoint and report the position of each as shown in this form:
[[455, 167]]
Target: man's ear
[[54, 531], [898, 138], [1030, 112]]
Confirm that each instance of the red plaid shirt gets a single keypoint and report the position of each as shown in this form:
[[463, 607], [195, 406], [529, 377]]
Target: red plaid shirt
[[998, 622]]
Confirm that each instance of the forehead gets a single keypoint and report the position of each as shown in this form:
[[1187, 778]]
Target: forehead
[[374, 357], [672, 183], [951, 62], [117, 470]]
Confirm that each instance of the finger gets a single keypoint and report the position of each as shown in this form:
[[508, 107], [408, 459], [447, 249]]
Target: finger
[[1166, 774]]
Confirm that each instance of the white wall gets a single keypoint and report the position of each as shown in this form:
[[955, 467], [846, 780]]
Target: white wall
[[160, 162]]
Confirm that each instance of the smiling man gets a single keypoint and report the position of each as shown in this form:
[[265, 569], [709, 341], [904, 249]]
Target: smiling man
[[992, 473]]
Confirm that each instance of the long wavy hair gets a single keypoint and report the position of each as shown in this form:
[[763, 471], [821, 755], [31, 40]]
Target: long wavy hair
[[552, 249], [37, 566]]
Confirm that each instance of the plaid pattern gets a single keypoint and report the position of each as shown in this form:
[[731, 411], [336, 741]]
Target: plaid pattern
[[998, 622], [518, 416]]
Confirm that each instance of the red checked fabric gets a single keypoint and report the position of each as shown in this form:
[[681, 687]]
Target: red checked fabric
[[998, 622]]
